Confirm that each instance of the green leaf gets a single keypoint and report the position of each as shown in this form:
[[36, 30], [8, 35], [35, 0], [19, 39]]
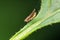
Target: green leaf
[[48, 14]]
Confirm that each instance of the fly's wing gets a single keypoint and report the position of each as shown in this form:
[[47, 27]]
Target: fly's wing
[[31, 16]]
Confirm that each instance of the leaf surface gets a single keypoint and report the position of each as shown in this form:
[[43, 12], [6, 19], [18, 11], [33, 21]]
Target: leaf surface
[[48, 14]]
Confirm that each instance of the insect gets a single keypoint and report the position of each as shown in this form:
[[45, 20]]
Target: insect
[[31, 16]]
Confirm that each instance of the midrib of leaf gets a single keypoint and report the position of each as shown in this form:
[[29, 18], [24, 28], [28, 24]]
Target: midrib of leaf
[[34, 26]]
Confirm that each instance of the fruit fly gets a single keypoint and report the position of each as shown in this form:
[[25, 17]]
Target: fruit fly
[[31, 16]]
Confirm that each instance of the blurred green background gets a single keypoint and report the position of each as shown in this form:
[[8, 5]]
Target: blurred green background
[[12, 15]]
